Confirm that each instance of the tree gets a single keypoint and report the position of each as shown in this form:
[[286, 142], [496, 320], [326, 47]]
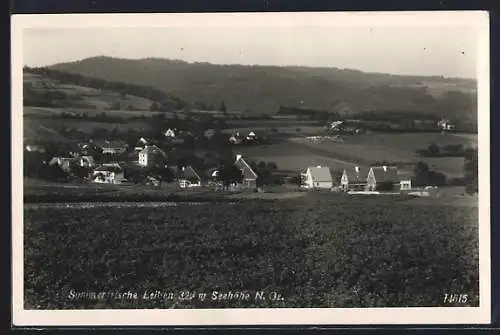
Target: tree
[[54, 173], [433, 149], [223, 108], [421, 172], [229, 174], [154, 107], [80, 171], [272, 166]]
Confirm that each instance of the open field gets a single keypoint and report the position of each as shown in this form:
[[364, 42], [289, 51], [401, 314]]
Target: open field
[[270, 123], [280, 130], [125, 114], [95, 98], [323, 250], [51, 129], [289, 156], [369, 148]]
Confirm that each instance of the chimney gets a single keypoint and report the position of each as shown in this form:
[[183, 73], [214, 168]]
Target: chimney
[[385, 168], [238, 157]]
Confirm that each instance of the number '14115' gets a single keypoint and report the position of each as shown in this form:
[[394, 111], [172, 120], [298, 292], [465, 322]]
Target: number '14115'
[[455, 298]]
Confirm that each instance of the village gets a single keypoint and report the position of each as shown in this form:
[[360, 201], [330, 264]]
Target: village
[[148, 163]]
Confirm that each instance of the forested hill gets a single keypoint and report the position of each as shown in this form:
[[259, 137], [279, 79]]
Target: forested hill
[[263, 89]]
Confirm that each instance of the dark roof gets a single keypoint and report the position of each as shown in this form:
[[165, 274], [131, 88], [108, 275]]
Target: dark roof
[[354, 176], [404, 175], [152, 149], [187, 173], [247, 171], [109, 167], [320, 174], [383, 176]]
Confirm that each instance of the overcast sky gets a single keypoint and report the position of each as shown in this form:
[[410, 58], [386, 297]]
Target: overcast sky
[[448, 50]]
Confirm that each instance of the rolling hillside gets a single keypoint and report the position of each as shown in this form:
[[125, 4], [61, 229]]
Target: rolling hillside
[[78, 96], [263, 89]]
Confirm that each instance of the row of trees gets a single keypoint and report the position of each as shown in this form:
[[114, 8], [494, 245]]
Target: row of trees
[[450, 150]]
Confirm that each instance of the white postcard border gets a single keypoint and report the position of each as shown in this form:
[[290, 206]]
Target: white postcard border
[[289, 316]]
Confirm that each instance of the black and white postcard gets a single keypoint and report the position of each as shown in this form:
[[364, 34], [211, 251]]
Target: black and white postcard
[[251, 169]]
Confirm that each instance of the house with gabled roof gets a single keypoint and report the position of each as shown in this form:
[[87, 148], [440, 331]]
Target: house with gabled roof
[[152, 155], [170, 133], [354, 178], [317, 177], [63, 162], [86, 161], [382, 178], [187, 177], [249, 175], [109, 174], [141, 144]]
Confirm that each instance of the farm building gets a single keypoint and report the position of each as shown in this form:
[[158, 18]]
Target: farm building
[[354, 179], [109, 174], [114, 147], [249, 175], [318, 177], [151, 155], [188, 177]]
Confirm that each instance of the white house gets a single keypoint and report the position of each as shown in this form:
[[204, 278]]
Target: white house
[[318, 177], [188, 177], [251, 136], [445, 124], [169, 133], [108, 174], [141, 144], [152, 155], [86, 161]]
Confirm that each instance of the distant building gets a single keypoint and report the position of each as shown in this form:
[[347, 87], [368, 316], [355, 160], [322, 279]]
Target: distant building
[[318, 177], [354, 179], [108, 174], [141, 144], [86, 161], [382, 178], [169, 133], [235, 138], [445, 124], [188, 177], [249, 175], [114, 147], [63, 162], [35, 148], [251, 136], [405, 181], [151, 155]]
